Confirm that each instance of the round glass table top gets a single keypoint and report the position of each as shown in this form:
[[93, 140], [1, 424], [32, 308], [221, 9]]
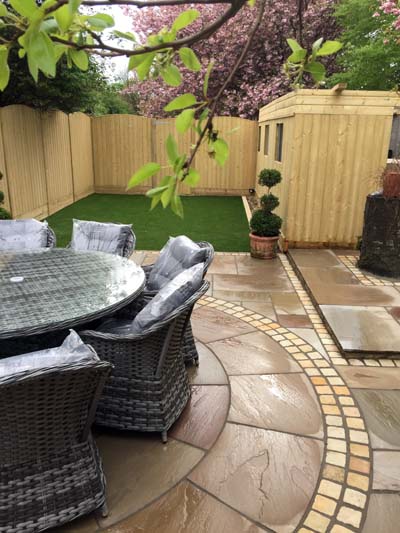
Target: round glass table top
[[58, 288]]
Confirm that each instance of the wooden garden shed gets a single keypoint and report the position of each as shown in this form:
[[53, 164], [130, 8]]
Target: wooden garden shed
[[331, 147]]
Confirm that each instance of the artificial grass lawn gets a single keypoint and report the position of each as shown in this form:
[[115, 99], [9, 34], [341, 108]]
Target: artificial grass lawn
[[220, 220]]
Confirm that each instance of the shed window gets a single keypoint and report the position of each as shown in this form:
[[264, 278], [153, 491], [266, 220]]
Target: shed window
[[259, 138], [266, 140], [279, 142]]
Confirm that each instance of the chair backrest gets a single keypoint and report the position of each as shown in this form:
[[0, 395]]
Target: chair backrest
[[210, 254], [25, 234], [45, 411], [113, 238]]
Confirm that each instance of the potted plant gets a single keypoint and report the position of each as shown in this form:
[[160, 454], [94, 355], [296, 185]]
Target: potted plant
[[264, 224], [4, 214]]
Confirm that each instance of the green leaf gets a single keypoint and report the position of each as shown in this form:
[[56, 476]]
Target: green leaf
[[142, 64], [80, 58], [184, 120], [33, 67], [169, 191], [125, 35], [298, 56], [172, 149], [185, 18], [316, 46], [73, 5], [207, 78], [171, 75], [144, 172], [189, 59], [49, 26], [294, 45], [156, 191], [63, 17], [59, 50], [316, 69], [3, 11], [155, 201], [4, 68], [181, 102], [41, 51], [192, 178], [101, 21], [26, 8], [176, 205], [221, 151], [329, 48]]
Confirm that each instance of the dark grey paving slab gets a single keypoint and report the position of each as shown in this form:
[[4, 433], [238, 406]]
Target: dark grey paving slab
[[363, 329], [381, 410], [337, 275]]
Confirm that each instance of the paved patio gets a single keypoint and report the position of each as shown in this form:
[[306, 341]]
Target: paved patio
[[282, 433]]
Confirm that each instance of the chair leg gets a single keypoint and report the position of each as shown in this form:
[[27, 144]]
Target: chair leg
[[103, 510], [164, 437]]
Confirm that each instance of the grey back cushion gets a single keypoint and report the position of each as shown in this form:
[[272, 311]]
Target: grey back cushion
[[23, 234], [99, 236], [72, 350], [171, 296], [177, 255]]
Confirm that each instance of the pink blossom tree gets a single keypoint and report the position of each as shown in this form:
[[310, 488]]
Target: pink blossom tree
[[260, 78]]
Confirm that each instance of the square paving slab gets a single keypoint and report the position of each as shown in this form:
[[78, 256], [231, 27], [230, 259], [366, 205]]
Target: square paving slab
[[363, 329]]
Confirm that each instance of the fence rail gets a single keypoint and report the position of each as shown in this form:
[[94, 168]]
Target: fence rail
[[50, 159]]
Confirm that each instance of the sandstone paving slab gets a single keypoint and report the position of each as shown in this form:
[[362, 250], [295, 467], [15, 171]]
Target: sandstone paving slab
[[268, 476], [355, 295], [223, 264], [294, 321], [209, 371], [204, 416], [248, 266], [211, 325], [287, 303], [381, 411], [260, 283], [363, 329], [315, 258], [238, 295], [335, 275], [383, 515], [312, 338], [386, 474], [284, 402], [186, 509], [139, 468], [263, 307], [253, 353], [370, 377]]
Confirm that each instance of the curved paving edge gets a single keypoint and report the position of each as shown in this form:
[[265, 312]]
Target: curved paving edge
[[340, 500]]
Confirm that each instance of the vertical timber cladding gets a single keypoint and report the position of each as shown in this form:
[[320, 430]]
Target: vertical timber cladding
[[24, 161], [80, 130], [335, 148]]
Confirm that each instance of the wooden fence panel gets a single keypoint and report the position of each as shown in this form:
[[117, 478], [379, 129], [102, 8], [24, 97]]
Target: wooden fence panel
[[57, 157], [80, 131], [23, 149], [237, 175], [4, 181], [121, 144]]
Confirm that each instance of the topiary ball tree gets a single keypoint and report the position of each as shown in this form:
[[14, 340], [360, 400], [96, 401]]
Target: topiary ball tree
[[265, 223]]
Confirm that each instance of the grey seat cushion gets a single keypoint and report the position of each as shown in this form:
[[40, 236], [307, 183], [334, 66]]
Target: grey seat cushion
[[72, 350], [23, 234], [99, 236], [171, 296], [177, 255]]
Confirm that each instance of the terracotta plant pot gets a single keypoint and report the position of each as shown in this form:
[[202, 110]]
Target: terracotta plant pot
[[391, 184], [263, 247]]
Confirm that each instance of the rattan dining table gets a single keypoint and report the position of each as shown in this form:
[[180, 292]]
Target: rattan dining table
[[55, 289]]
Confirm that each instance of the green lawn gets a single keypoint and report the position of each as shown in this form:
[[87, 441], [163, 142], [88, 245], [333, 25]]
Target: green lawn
[[217, 219]]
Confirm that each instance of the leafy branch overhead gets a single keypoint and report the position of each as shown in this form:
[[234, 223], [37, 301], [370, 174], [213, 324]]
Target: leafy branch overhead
[[47, 31]]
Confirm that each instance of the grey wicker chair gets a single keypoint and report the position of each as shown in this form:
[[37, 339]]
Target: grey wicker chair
[[50, 469], [189, 350], [129, 246], [51, 238], [148, 387]]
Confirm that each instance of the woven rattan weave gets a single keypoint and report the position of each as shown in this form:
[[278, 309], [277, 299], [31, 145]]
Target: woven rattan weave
[[50, 468], [148, 387], [55, 289]]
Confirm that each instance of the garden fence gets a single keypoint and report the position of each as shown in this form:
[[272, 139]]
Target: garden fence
[[50, 159]]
